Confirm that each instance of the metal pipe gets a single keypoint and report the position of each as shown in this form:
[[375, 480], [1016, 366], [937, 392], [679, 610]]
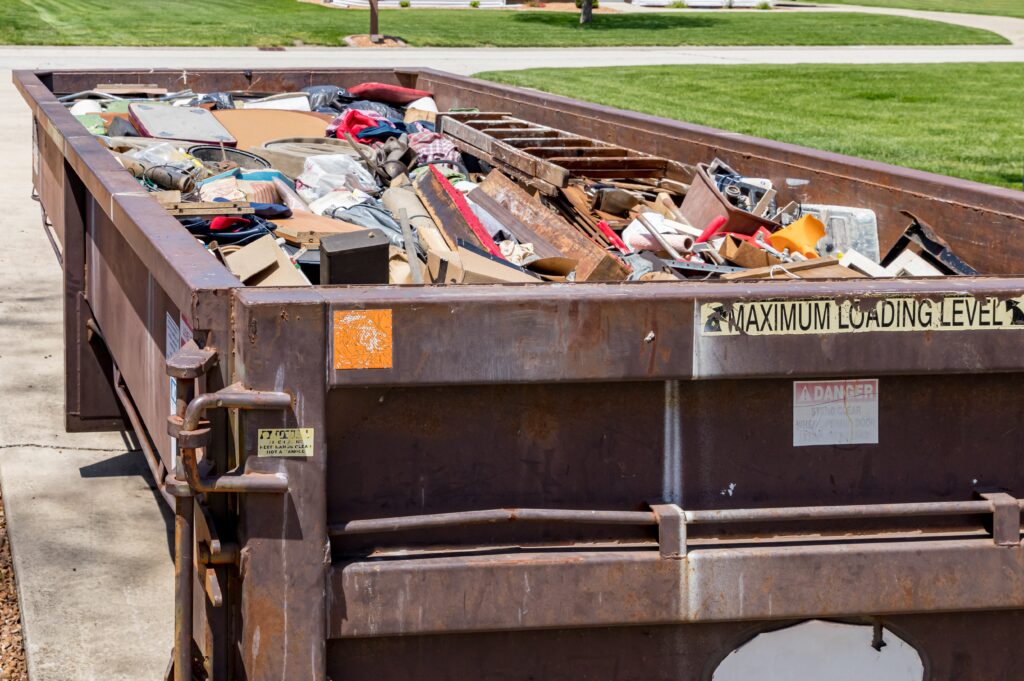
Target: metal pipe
[[501, 515], [232, 481], [184, 512], [740, 515], [231, 398], [490, 517]]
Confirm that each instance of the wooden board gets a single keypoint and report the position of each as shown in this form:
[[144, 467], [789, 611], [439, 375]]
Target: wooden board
[[306, 229], [595, 264], [817, 268], [202, 208]]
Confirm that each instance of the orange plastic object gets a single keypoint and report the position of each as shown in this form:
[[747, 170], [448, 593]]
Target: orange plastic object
[[800, 237]]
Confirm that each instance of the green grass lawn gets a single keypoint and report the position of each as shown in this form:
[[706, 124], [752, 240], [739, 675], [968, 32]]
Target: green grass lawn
[[956, 119], [283, 22], [1003, 8]]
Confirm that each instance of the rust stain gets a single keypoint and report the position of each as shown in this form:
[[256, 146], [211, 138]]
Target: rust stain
[[362, 339]]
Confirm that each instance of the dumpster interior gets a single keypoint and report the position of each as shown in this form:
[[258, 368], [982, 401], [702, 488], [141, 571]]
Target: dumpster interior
[[374, 183]]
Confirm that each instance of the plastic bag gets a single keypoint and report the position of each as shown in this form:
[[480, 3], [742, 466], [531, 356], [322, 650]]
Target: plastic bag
[[328, 172]]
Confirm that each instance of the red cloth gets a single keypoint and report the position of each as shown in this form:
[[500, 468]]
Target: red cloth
[[353, 121], [390, 94], [229, 223]]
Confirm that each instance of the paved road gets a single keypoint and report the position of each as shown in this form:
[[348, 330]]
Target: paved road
[[472, 60]]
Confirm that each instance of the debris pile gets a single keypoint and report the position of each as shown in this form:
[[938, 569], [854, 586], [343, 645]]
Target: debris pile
[[373, 184]]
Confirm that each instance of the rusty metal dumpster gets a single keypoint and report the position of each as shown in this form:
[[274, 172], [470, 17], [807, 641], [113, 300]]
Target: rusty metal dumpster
[[596, 481]]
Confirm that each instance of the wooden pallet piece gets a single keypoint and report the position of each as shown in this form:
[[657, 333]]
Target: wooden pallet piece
[[552, 156]]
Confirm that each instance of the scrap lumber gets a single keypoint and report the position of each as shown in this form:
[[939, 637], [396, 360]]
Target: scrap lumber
[[595, 264], [450, 212], [204, 208]]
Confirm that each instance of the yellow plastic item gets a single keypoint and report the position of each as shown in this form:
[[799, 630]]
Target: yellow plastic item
[[800, 237]]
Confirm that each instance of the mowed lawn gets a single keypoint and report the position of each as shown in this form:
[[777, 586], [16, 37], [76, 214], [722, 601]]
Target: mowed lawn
[[288, 22], [963, 120], [1003, 8]]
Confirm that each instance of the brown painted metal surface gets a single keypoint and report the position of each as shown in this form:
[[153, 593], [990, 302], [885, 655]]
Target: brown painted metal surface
[[577, 403]]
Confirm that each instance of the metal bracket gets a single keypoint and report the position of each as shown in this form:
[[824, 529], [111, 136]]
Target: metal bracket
[[191, 361], [671, 530], [1005, 518]]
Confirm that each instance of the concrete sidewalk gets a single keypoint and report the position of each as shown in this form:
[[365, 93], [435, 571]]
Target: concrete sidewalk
[[88, 538], [472, 60]]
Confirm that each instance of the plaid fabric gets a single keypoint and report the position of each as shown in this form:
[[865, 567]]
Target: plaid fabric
[[431, 146]]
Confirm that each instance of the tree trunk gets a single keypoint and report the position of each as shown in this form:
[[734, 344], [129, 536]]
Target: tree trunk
[[374, 22], [587, 12]]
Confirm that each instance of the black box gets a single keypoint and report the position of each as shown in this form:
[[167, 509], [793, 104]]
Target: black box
[[354, 258]]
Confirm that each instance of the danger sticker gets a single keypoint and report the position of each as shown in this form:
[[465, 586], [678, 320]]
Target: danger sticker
[[285, 442], [825, 316], [841, 412], [362, 339]]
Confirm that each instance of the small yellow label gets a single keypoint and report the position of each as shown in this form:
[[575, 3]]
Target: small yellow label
[[362, 339], [285, 442]]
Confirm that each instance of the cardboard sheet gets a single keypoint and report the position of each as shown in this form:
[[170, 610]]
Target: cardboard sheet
[[253, 127], [263, 263]]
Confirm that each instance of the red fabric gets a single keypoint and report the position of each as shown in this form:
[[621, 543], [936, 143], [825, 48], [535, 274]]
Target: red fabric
[[390, 94], [228, 223], [479, 231], [353, 121]]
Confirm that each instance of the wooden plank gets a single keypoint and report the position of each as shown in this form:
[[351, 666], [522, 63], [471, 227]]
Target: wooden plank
[[595, 264], [201, 208], [615, 163], [526, 142], [576, 152], [502, 133], [482, 123], [466, 116], [816, 268]]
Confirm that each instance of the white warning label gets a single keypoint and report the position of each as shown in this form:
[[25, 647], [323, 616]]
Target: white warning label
[[821, 316], [285, 442], [838, 412]]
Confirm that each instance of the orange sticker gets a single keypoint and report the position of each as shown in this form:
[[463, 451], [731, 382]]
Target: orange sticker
[[362, 339]]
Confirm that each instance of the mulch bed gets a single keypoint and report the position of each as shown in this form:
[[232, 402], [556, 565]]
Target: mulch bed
[[12, 650]]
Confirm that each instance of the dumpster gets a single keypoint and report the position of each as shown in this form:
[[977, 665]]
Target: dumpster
[[590, 481]]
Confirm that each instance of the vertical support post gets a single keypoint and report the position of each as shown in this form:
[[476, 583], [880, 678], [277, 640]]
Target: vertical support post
[[1005, 518], [374, 22], [184, 558], [671, 530], [184, 516]]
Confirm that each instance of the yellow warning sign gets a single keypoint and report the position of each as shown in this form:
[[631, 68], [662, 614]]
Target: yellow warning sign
[[865, 315], [362, 339], [285, 442]]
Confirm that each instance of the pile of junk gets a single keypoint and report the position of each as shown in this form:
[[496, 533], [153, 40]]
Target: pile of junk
[[372, 184]]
